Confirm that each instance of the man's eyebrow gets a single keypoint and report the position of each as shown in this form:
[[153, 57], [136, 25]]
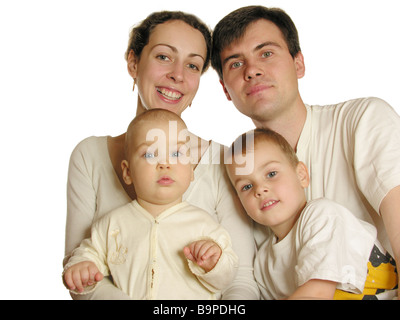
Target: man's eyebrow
[[259, 47], [267, 44]]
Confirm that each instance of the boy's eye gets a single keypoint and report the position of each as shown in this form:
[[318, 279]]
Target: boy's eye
[[247, 187], [272, 174]]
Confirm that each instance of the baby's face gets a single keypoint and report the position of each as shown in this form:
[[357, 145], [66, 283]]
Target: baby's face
[[273, 193], [160, 166]]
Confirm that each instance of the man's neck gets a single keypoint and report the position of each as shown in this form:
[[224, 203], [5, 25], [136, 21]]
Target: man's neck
[[289, 125]]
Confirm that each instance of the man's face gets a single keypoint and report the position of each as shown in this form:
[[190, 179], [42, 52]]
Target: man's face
[[259, 74]]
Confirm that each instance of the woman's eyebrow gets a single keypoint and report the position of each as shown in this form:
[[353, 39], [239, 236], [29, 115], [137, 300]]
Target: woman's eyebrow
[[175, 50]]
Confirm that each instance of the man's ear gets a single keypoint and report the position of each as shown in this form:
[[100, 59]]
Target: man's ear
[[302, 174], [300, 65], [126, 173], [132, 64], [225, 91]]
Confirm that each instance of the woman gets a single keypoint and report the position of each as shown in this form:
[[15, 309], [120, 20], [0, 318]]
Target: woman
[[166, 56]]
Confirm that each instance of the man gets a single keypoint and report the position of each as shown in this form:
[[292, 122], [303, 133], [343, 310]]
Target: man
[[352, 149]]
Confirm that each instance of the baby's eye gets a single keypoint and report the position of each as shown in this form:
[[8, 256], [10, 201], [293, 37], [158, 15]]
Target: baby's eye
[[176, 154], [272, 174], [247, 187], [149, 155]]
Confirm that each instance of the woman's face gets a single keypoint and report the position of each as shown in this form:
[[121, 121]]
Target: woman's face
[[169, 69]]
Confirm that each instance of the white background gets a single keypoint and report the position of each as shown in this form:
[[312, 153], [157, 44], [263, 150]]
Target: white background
[[63, 77]]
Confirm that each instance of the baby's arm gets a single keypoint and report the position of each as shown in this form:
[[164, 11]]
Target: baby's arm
[[81, 275], [315, 289], [205, 253]]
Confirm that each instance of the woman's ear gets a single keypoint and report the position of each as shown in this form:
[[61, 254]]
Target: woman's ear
[[126, 173], [132, 63], [302, 174]]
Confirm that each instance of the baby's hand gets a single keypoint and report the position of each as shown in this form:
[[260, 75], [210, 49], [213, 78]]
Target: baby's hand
[[205, 253], [81, 275]]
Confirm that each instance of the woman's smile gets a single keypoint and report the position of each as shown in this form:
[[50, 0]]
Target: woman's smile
[[169, 95]]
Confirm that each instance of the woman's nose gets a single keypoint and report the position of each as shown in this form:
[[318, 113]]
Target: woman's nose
[[176, 74]]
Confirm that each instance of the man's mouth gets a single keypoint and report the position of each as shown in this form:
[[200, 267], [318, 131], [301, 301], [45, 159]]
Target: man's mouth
[[169, 94]]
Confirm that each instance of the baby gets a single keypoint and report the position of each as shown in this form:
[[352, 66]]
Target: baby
[[317, 250], [156, 247]]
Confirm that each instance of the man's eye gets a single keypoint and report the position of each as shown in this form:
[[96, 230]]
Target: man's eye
[[236, 65], [267, 54], [247, 187]]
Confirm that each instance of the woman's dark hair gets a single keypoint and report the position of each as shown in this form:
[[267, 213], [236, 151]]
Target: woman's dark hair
[[140, 34], [234, 25]]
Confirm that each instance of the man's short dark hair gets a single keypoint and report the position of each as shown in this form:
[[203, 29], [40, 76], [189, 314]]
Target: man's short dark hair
[[234, 25]]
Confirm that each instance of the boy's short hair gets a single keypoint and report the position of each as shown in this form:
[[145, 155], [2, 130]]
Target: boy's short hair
[[260, 135], [148, 115], [233, 26]]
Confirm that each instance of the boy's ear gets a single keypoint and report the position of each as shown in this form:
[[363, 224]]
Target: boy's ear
[[302, 174], [126, 173], [225, 91]]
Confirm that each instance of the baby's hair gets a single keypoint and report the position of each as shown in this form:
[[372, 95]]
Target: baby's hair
[[259, 135], [148, 115]]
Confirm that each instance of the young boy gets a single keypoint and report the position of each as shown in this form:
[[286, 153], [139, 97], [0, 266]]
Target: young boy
[[156, 247], [316, 249]]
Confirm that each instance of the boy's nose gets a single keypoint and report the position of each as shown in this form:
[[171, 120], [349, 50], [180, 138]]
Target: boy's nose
[[259, 191]]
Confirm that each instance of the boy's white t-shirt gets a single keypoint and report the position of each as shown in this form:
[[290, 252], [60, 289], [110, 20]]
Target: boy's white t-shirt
[[327, 242]]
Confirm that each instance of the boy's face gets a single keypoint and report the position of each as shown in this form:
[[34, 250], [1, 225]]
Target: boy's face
[[159, 165], [273, 194]]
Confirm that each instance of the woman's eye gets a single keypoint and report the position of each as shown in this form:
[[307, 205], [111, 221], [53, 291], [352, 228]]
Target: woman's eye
[[247, 187], [162, 57], [193, 67], [149, 155]]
